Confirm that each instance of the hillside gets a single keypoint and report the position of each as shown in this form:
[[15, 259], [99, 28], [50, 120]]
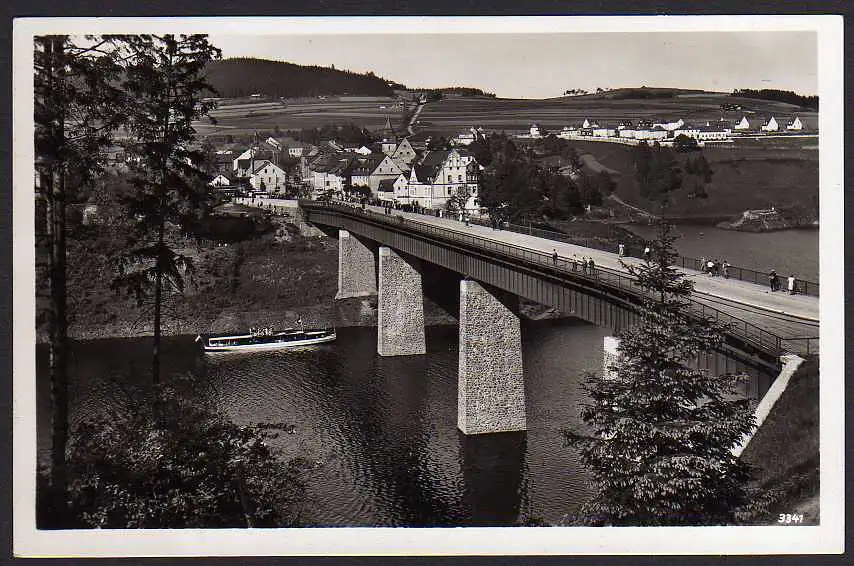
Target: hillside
[[241, 77], [748, 174]]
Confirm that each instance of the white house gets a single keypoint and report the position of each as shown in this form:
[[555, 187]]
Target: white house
[[688, 130], [220, 181], [442, 174], [795, 124], [712, 132], [242, 164], [670, 125], [743, 124], [268, 177], [604, 131], [535, 131], [568, 132], [586, 124], [770, 125]]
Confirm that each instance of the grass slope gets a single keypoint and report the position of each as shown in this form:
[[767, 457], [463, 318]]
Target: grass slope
[[748, 174], [786, 449]]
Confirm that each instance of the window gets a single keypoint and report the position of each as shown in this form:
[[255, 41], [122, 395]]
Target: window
[[459, 177]]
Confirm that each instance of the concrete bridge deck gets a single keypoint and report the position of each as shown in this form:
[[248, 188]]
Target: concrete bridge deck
[[791, 317]]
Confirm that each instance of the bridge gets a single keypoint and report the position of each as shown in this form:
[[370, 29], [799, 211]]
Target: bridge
[[479, 274]]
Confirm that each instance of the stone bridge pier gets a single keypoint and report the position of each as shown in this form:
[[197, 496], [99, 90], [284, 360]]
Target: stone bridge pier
[[400, 305], [491, 385], [357, 272]]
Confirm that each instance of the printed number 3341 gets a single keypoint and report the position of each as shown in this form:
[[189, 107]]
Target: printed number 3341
[[790, 518]]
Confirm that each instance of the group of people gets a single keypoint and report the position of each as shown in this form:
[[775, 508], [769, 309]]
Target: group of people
[[714, 267], [586, 263], [791, 282]]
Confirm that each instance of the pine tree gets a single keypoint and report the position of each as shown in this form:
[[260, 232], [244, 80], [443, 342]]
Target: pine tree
[[659, 433], [166, 78]]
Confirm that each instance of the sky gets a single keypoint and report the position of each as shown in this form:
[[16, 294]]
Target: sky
[[544, 65]]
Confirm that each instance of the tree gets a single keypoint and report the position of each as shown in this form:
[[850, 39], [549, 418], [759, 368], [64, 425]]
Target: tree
[[166, 78], [77, 109], [660, 433], [683, 143], [181, 466]]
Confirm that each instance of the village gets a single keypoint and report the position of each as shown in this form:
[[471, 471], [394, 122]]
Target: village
[[401, 172]]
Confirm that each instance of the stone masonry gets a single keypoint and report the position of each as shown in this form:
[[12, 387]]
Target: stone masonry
[[357, 272], [610, 356], [400, 306], [491, 385]]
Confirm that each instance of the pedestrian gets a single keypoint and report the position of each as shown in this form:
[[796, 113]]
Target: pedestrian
[[772, 279], [591, 266], [703, 264], [622, 250], [710, 267], [726, 269], [792, 285], [584, 265], [554, 256], [646, 253], [717, 267]]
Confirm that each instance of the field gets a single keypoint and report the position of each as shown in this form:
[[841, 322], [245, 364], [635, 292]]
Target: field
[[239, 117], [515, 116]]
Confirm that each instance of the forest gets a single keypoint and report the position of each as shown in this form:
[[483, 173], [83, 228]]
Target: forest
[[778, 96], [238, 77]]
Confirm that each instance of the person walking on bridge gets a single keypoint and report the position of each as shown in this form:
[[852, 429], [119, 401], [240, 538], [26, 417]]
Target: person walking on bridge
[[622, 250], [554, 256], [772, 280], [793, 287], [726, 269], [591, 266]]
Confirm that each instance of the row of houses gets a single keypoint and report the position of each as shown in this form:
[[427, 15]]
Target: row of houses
[[398, 174], [663, 130]]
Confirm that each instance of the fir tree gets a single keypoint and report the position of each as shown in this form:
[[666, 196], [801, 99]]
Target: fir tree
[[659, 433], [165, 76]]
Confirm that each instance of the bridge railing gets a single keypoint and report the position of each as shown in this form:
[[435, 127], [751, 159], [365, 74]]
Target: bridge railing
[[751, 333], [803, 286]]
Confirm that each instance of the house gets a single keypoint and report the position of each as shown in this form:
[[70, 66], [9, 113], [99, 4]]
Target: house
[[742, 124], [669, 125], [385, 168], [242, 164], [443, 174], [604, 131], [688, 130], [770, 125], [220, 181], [795, 124], [586, 124], [393, 190], [268, 177], [646, 131], [568, 132], [404, 154], [535, 131], [712, 132]]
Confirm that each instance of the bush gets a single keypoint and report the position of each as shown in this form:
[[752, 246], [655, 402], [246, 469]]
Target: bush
[[171, 463]]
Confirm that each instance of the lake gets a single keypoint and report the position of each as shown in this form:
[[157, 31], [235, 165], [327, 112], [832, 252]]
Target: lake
[[787, 251]]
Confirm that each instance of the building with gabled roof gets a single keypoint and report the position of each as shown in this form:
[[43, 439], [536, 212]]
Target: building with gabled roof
[[770, 125], [443, 174], [742, 124], [269, 177], [404, 154], [795, 124]]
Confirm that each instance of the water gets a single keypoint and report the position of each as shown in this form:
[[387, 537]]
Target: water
[[787, 251], [382, 431]]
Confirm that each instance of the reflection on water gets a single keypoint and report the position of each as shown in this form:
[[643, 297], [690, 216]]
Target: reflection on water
[[381, 432]]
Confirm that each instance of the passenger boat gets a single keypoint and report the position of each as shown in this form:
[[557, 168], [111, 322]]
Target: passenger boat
[[266, 339]]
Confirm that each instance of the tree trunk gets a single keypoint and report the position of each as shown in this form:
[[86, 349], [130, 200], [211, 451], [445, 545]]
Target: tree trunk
[[58, 321], [158, 291]]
